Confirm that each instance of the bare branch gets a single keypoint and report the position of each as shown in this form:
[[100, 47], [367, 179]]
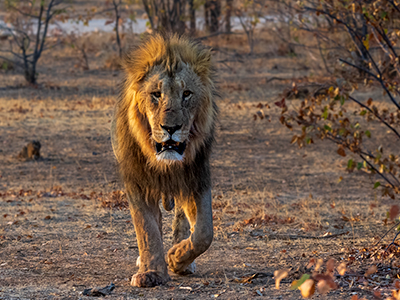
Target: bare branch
[[376, 115], [376, 170], [379, 79]]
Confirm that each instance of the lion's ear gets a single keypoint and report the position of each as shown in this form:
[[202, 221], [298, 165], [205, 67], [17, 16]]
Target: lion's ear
[[203, 65]]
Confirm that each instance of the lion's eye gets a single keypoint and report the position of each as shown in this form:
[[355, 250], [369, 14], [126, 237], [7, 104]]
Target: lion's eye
[[156, 94], [186, 94]]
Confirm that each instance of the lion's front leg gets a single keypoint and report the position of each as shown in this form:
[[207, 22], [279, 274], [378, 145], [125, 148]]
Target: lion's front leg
[[181, 231], [146, 217], [198, 211]]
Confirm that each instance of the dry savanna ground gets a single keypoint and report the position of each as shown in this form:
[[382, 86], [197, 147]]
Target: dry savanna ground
[[64, 226]]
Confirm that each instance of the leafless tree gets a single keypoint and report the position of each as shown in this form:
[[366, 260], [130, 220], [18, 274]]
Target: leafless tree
[[212, 14], [192, 17], [166, 15], [228, 14], [28, 32], [117, 5]]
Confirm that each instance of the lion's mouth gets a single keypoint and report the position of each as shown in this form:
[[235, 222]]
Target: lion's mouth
[[170, 145]]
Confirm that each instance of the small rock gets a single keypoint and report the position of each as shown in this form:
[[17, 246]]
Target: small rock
[[99, 292]]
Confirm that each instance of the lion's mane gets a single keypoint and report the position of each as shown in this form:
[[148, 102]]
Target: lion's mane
[[131, 140]]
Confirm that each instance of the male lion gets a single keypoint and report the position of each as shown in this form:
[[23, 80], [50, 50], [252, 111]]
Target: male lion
[[162, 134]]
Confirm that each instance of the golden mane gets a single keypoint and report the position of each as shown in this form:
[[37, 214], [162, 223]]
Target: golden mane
[[133, 144], [167, 51]]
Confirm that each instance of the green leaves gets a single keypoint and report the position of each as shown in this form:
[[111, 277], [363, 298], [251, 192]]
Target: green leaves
[[296, 284], [350, 164], [377, 184], [325, 113]]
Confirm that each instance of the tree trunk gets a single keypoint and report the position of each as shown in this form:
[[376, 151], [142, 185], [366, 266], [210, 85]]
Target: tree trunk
[[192, 16], [30, 74], [207, 6], [215, 13], [228, 13]]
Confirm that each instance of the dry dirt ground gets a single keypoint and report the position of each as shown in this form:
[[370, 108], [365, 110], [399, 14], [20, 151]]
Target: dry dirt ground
[[62, 229]]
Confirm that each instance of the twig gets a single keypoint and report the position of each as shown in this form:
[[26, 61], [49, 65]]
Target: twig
[[276, 78], [293, 237], [376, 115], [377, 171], [391, 228], [394, 5], [392, 243], [379, 79]]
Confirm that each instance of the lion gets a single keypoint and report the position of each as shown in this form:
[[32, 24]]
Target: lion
[[162, 134]]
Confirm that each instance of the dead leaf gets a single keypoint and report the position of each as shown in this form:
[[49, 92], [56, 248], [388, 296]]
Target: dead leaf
[[341, 151], [279, 275], [323, 287], [325, 282], [330, 265], [397, 284], [281, 103], [307, 289], [396, 294], [320, 261], [341, 268], [394, 211], [377, 294], [371, 270], [311, 263]]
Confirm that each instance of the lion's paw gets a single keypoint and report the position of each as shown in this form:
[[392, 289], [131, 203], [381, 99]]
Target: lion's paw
[[181, 261], [148, 279]]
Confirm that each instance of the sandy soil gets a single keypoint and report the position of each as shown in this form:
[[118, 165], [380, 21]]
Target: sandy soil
[[62, 231]]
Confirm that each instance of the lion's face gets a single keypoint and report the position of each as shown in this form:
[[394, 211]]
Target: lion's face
[[167, 102], [172, 102]]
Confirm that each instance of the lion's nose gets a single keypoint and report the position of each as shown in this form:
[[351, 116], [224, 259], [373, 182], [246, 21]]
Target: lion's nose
[[171, 130]]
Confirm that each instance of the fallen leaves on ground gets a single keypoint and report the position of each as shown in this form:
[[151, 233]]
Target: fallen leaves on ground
[[267, 219], [115, 199], [371, 270]]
